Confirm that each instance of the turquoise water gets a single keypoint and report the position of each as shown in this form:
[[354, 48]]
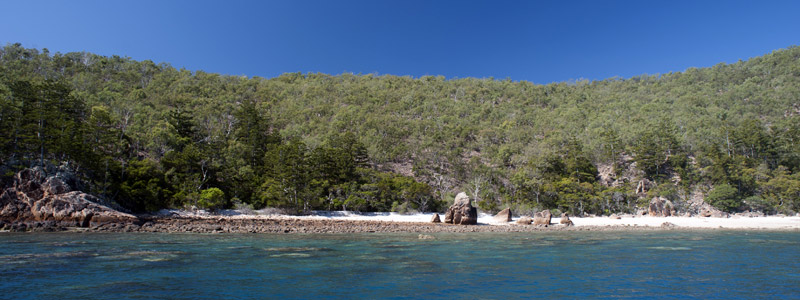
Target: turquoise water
[[567, 265]]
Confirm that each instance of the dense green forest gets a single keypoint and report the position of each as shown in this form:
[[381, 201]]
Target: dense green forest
[[150, 136]]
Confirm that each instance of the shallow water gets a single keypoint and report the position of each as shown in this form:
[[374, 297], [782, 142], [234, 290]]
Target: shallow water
[[664, 264]]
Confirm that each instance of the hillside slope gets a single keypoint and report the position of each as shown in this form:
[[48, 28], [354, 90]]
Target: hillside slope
[[731, 130]]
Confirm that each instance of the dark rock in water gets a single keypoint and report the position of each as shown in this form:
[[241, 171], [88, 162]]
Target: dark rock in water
[[461, 212], [542, 218], [660, 207], [435, 219], [48, 201], [503, 215], [565, 220], [524, 220]]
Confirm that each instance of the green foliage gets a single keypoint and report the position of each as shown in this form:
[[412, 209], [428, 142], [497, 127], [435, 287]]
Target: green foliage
[[724, 197], [782, 191], [145, 187], [654, 149], [151, 136], [211, 199]]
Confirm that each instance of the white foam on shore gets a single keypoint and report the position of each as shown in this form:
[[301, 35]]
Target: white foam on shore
[[734, 222], [483, 218]]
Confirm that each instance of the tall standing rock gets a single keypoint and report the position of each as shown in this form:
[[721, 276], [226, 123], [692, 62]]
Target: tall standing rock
[[504, 216], [435, 219], [461, 212], [542, 218], [565, 220]]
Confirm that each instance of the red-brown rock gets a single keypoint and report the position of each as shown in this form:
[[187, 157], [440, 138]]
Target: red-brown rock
[[36, 197], [503, 216], [435, 219], [542, 218], [565, 220], [461, 212]]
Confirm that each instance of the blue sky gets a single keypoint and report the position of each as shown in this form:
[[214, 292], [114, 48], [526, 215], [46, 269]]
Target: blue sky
[[538, 41]]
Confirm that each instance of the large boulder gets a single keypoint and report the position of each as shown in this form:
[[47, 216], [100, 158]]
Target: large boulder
[[462, 200], [565, 220], [524, 220], [542, 218], [461, 212], [504, 216], [435, 219], [660, 207], [37, 197]]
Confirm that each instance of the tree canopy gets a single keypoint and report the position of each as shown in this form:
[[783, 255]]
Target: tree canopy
[[150, 136]]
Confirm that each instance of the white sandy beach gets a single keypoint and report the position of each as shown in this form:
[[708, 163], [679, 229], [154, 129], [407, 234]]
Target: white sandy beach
[[733, 222], [770, 222]]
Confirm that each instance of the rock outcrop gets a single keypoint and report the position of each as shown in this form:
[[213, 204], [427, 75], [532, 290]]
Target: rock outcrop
[[660, 207], [565, 220], [524, 220], [614, 217], [461, 212], [713, 213], [435, 219], [504, 216], [542, 218], [35, 197]]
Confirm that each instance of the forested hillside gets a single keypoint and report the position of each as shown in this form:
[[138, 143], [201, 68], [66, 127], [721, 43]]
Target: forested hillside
[[150, 136]]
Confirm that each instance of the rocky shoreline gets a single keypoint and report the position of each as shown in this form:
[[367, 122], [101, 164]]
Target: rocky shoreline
[[295, 226], [38, 202]]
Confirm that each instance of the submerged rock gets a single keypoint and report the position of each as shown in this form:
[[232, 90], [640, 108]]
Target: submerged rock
[[461, 212], [503, 215], [426, 237], [542, 218]]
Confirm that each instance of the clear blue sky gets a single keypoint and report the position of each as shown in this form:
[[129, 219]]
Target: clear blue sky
[[538, 41]]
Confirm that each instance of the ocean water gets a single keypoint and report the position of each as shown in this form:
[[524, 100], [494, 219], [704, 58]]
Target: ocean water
[[564, 265]]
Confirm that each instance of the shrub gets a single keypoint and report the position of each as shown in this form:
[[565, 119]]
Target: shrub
[[211, 199], [724, 197]]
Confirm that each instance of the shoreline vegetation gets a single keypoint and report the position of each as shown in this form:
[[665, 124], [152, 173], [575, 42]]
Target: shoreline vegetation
[[90, 140]]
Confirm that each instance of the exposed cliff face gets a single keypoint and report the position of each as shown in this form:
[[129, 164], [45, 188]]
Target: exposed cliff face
[[36, 197]]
